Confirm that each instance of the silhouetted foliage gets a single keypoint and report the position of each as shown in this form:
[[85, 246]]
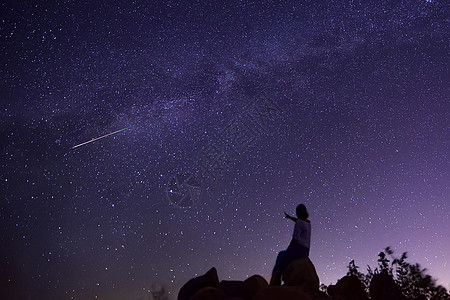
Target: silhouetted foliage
[[412, 280], [353, 270]]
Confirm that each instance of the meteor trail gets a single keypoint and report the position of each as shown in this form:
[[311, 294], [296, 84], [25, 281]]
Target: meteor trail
[[100, 137]]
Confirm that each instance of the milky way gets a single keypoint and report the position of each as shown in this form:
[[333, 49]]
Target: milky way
[[343, 106]]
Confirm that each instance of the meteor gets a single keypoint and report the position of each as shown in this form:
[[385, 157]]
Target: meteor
[[100, 137]]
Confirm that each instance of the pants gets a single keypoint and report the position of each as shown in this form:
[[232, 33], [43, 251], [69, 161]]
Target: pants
[[284, 258]]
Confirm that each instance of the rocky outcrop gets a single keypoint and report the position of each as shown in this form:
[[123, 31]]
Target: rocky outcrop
[[300, 277], [244, 290], [302, 283], [282, 292], [209, 293], [193, 286], [348, 288], [302, 273]]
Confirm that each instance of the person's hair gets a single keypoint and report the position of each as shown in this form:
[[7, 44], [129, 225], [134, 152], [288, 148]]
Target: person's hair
[[301, 212]]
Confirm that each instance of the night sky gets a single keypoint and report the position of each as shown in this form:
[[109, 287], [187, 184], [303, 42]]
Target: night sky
[[232, 113]]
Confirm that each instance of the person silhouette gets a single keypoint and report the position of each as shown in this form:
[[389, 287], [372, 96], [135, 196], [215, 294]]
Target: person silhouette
[[299, 246]]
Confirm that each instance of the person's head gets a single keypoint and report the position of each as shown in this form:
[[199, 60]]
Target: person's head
[[301, 212]]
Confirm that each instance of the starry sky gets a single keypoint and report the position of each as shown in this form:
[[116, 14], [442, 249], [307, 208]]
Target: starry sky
[[233, 112]]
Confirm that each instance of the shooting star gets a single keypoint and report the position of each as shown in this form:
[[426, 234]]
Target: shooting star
[[100, 137]]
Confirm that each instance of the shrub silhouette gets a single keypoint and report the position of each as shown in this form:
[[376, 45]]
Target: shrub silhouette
[[412, 280]]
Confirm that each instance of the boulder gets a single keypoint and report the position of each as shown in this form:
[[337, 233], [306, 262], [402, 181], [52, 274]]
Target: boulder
[[281, 293], [209, 293], [302, 273], [348, 288], [321, 296], [252, 286], [243, 289], [232, 288], [210, 279]]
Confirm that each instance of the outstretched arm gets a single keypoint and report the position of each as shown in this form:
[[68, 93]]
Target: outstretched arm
[[289, 217]]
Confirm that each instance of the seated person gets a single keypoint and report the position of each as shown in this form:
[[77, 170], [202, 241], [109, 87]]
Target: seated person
[[299, 246]]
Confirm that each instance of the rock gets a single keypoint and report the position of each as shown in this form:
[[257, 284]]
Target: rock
[[252, 286], [209, 293], [232, 288], [243, 289], [210, 279], [348, 288], [383, 287], [302, 273], [321, 296], [281, 293]]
